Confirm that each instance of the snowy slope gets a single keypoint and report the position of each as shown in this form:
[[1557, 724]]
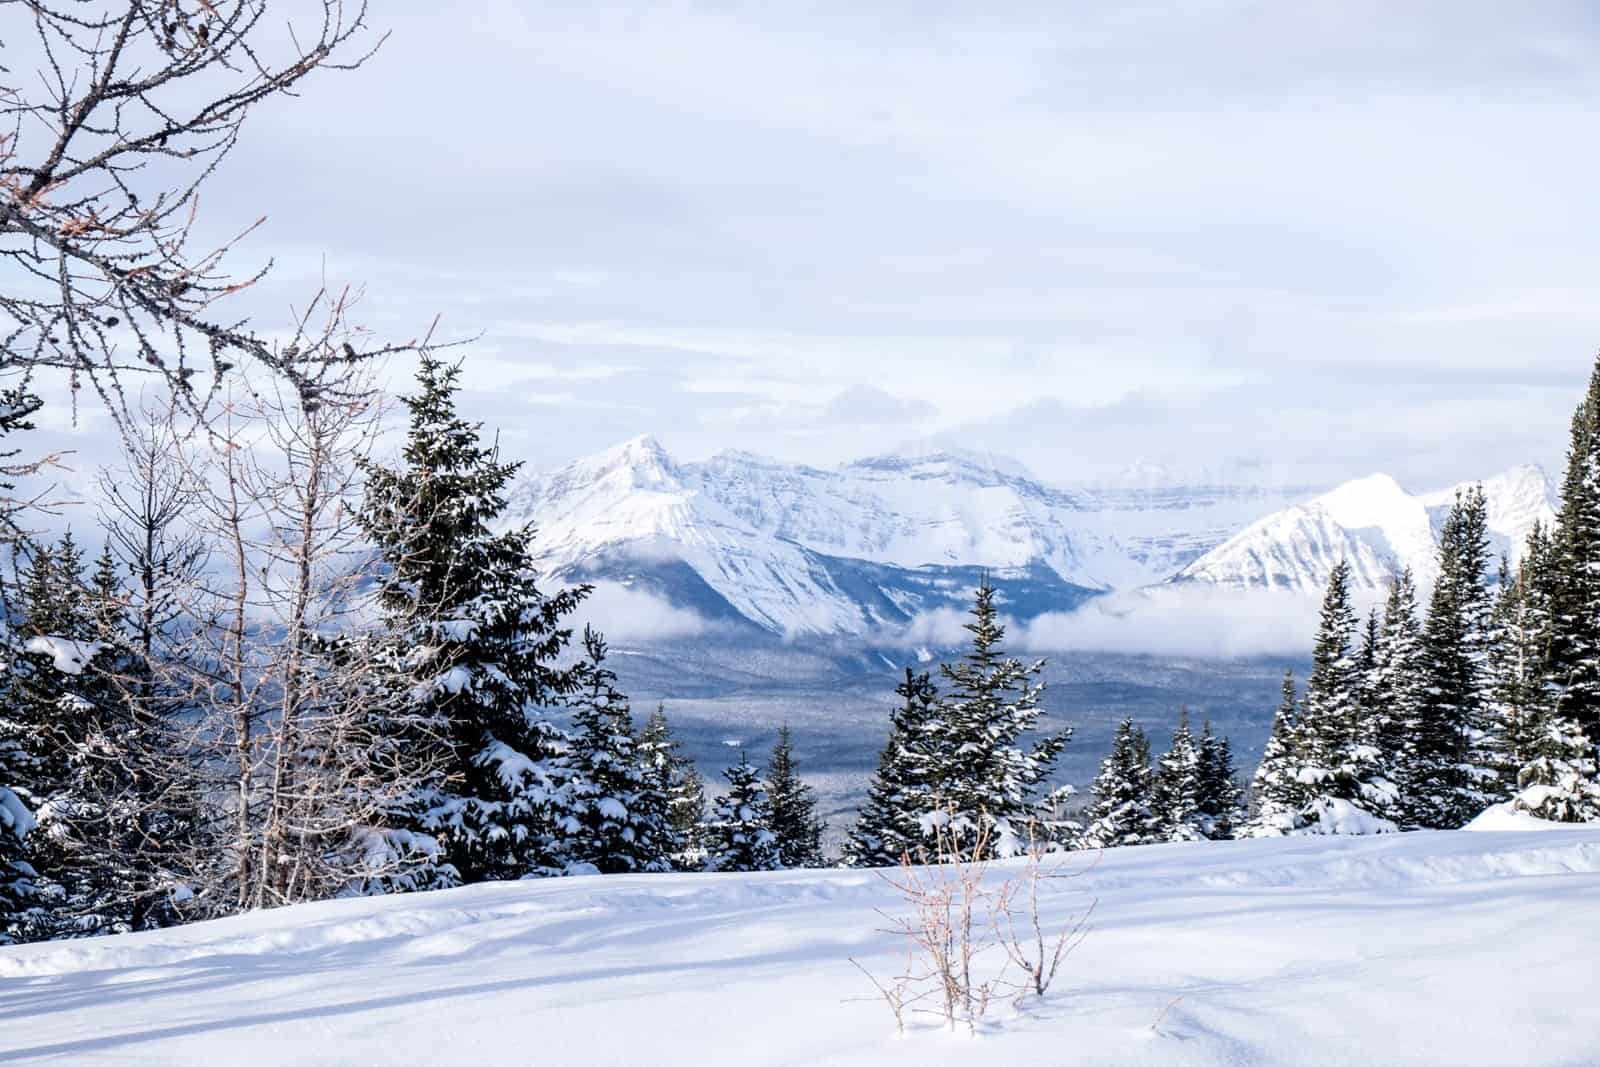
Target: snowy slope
[[1460, 948], [794, 549], [1376, 525]]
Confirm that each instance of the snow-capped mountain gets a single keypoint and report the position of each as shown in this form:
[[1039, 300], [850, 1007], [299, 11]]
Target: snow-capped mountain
[[876, 543], [795, 549], [1377, 526]]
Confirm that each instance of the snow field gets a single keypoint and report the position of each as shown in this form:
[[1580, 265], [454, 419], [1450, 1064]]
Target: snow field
[[1462, 948]]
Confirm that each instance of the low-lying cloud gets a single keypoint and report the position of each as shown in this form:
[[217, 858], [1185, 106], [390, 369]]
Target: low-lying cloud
[[626, 614]]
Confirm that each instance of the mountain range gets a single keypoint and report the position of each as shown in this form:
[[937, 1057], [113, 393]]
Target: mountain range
[[872, 545]]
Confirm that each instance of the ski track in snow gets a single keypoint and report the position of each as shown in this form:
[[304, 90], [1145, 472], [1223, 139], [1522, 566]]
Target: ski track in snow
[[1462, 948]]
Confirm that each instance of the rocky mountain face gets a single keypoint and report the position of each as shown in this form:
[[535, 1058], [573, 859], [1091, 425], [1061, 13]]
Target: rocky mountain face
[[871, 545]]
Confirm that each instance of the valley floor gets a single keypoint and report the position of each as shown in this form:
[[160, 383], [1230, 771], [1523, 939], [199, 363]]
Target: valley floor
[[1459, 948]]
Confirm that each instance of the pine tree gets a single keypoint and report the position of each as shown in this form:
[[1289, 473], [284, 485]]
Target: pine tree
[[1178, 785], [673, 775], [1399, 689], [1219, 794], [20, 913], [1574, 660], [888, 828], [740, 836], [623, 823], [982, 777], [1122, 810], [1327, 720], [1450, 762], [1277, 795], [476, 642], [793, 806]]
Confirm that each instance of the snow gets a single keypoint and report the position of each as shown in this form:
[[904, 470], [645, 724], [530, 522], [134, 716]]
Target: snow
[[1504, 817], [66, 655], [1425, 948], [1377, 527]]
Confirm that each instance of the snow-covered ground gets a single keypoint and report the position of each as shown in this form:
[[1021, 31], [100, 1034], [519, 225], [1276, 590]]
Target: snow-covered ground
[[1459, 948]]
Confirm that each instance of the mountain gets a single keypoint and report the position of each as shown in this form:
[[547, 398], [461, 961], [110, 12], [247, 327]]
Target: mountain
[[1374, 524], [797, 550]]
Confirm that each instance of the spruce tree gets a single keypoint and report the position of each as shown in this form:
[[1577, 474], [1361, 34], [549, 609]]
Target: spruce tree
[[475, 642], [1276, 793], [622, 819], [673, 775], [1219, 794], [1122, 810], [888, 828], [1399, 688], [1450, 763], [1178, 786], [793, 806], [1328, 715], [739, 835], [983, 778], [1574, 659]]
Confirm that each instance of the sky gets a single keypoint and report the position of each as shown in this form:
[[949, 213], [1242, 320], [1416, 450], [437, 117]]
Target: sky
[[1284, 242]]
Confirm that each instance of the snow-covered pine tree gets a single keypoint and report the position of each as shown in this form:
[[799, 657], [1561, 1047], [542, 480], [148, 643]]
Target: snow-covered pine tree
[[1219, 795], [1449, 739], [60, 710], [1121, 811], [623, 824], [477, 641], [1276, 793], [739, 835], [793, 807], [19, 914], [1399, 687], [983, 776], [1520, 702], [888, 827], [673, 775], [1178, 786], [1328, 713], [1574, 661]]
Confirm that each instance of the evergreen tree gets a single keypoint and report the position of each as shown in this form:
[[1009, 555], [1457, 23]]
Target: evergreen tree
[[740, 836], [1277, 795], [1450, 762], [1574, 656], [673, 775], [982, 776], [476, 644], [793, 807], [1122, 810], [1178, 785], [1521, 703], [1219, 794], [901, 794], [623, 823], [1328, 715], [1399, 688]]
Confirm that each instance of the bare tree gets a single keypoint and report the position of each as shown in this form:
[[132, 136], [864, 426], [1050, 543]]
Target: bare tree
[[113, 115]]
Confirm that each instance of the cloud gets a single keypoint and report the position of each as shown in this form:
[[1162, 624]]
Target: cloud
[[630, 615], [867, 404], [1183, 620]]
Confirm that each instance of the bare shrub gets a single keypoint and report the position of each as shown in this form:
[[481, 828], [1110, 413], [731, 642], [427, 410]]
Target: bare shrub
[[974, 931]]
